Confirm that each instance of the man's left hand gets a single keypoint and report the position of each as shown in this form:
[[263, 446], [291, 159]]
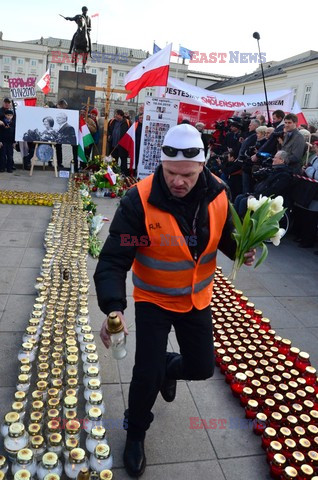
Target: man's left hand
[[250, 257]]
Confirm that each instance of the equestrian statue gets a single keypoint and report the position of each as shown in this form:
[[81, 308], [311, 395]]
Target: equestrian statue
[[81, 41]]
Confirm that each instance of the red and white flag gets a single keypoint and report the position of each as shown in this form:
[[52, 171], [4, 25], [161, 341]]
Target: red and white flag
[[111, 176], [95, 15], [127, 141], [44, 82], [152, 72], [174, 54]]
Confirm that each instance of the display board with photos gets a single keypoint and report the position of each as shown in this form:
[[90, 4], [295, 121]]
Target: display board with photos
[[160, 114]]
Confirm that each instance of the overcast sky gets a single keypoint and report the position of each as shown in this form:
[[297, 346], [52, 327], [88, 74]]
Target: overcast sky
[[286, 28]]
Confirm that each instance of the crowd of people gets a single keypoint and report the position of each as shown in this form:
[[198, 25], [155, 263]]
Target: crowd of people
[[255, 159]]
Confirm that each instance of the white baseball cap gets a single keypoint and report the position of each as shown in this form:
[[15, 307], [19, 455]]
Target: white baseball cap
[[185, 144]]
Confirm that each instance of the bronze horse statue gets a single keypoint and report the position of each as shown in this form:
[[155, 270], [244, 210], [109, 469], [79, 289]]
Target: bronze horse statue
[[81, 43]]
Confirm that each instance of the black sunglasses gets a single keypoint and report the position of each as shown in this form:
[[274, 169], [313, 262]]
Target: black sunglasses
[[187, 152]]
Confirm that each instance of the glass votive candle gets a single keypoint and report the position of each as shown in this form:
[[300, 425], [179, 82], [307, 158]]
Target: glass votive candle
[[313, 460], [289, 473], [268, 436], [277, 466], [283, 434], [251, 409], [302, 362], [274, 448], [268, 406], [305, 472], [304, 446], [310, 375], [260, 423], [289, 446], [245, 396], [230, 373], [291, 422], [275, 420], [296, 460], [238, 384]]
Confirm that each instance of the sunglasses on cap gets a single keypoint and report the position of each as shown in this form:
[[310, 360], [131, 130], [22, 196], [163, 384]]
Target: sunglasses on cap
[[187, 152]]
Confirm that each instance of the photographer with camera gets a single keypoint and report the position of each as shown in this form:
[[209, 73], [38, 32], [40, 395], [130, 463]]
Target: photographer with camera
[[254, 142], [271, 181], [232, 138]]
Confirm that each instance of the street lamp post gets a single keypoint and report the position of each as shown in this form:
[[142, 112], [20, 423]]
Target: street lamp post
[[257, 36]]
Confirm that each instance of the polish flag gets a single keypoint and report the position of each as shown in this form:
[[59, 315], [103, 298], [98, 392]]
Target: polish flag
[[297, 111], [174, 54], [44, 82], [95, 15], [127, 141], [151, 72], [111, 176]]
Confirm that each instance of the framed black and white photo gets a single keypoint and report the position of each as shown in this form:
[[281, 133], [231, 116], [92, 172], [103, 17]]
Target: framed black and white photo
[[40, 124]]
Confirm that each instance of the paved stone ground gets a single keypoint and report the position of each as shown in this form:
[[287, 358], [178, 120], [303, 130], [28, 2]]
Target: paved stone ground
[[284, 288]]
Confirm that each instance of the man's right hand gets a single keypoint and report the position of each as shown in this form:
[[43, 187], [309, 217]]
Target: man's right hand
[[105, 335]]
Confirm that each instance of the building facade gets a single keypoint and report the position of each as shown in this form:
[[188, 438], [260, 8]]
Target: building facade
[[298, 73]]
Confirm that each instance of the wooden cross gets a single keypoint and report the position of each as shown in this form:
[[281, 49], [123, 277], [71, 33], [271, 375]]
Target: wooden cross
[[87, 105], [108, 90]]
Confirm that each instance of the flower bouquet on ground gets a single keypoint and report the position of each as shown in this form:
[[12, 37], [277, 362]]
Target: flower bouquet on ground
[[260, 223]]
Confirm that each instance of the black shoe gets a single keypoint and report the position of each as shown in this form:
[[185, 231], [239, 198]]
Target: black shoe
[[2, 170], [168, 389], [60, 167], [134, 457]]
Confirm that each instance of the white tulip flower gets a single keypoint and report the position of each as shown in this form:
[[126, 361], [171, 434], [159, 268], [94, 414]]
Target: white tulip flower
[[252, 204], [277, 238], [277, 204], [262, 199]]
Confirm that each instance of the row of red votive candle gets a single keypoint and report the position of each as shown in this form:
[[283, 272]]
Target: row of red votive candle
[[274, 381]]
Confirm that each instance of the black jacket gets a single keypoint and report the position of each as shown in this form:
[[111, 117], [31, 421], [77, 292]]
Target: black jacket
[[7, 133], [249, 141], [115, 260], [278, 182]]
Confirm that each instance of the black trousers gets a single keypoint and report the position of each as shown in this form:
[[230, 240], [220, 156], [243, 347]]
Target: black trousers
[[6, 156], [59, 156], [152, 362]]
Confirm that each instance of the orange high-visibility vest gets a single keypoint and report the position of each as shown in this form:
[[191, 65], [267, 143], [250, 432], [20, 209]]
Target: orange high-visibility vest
[[165, 272]]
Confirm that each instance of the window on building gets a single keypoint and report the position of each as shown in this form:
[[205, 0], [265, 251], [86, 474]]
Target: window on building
[[294, 95], [20, 61], [33, 63], [52, 66], [6, 60], [121, 74], [307, 96], [94, 71], [6, 80], [65, 67]]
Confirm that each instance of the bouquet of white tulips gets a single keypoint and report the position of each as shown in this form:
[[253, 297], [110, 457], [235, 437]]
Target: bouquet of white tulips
[[260, 223]]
